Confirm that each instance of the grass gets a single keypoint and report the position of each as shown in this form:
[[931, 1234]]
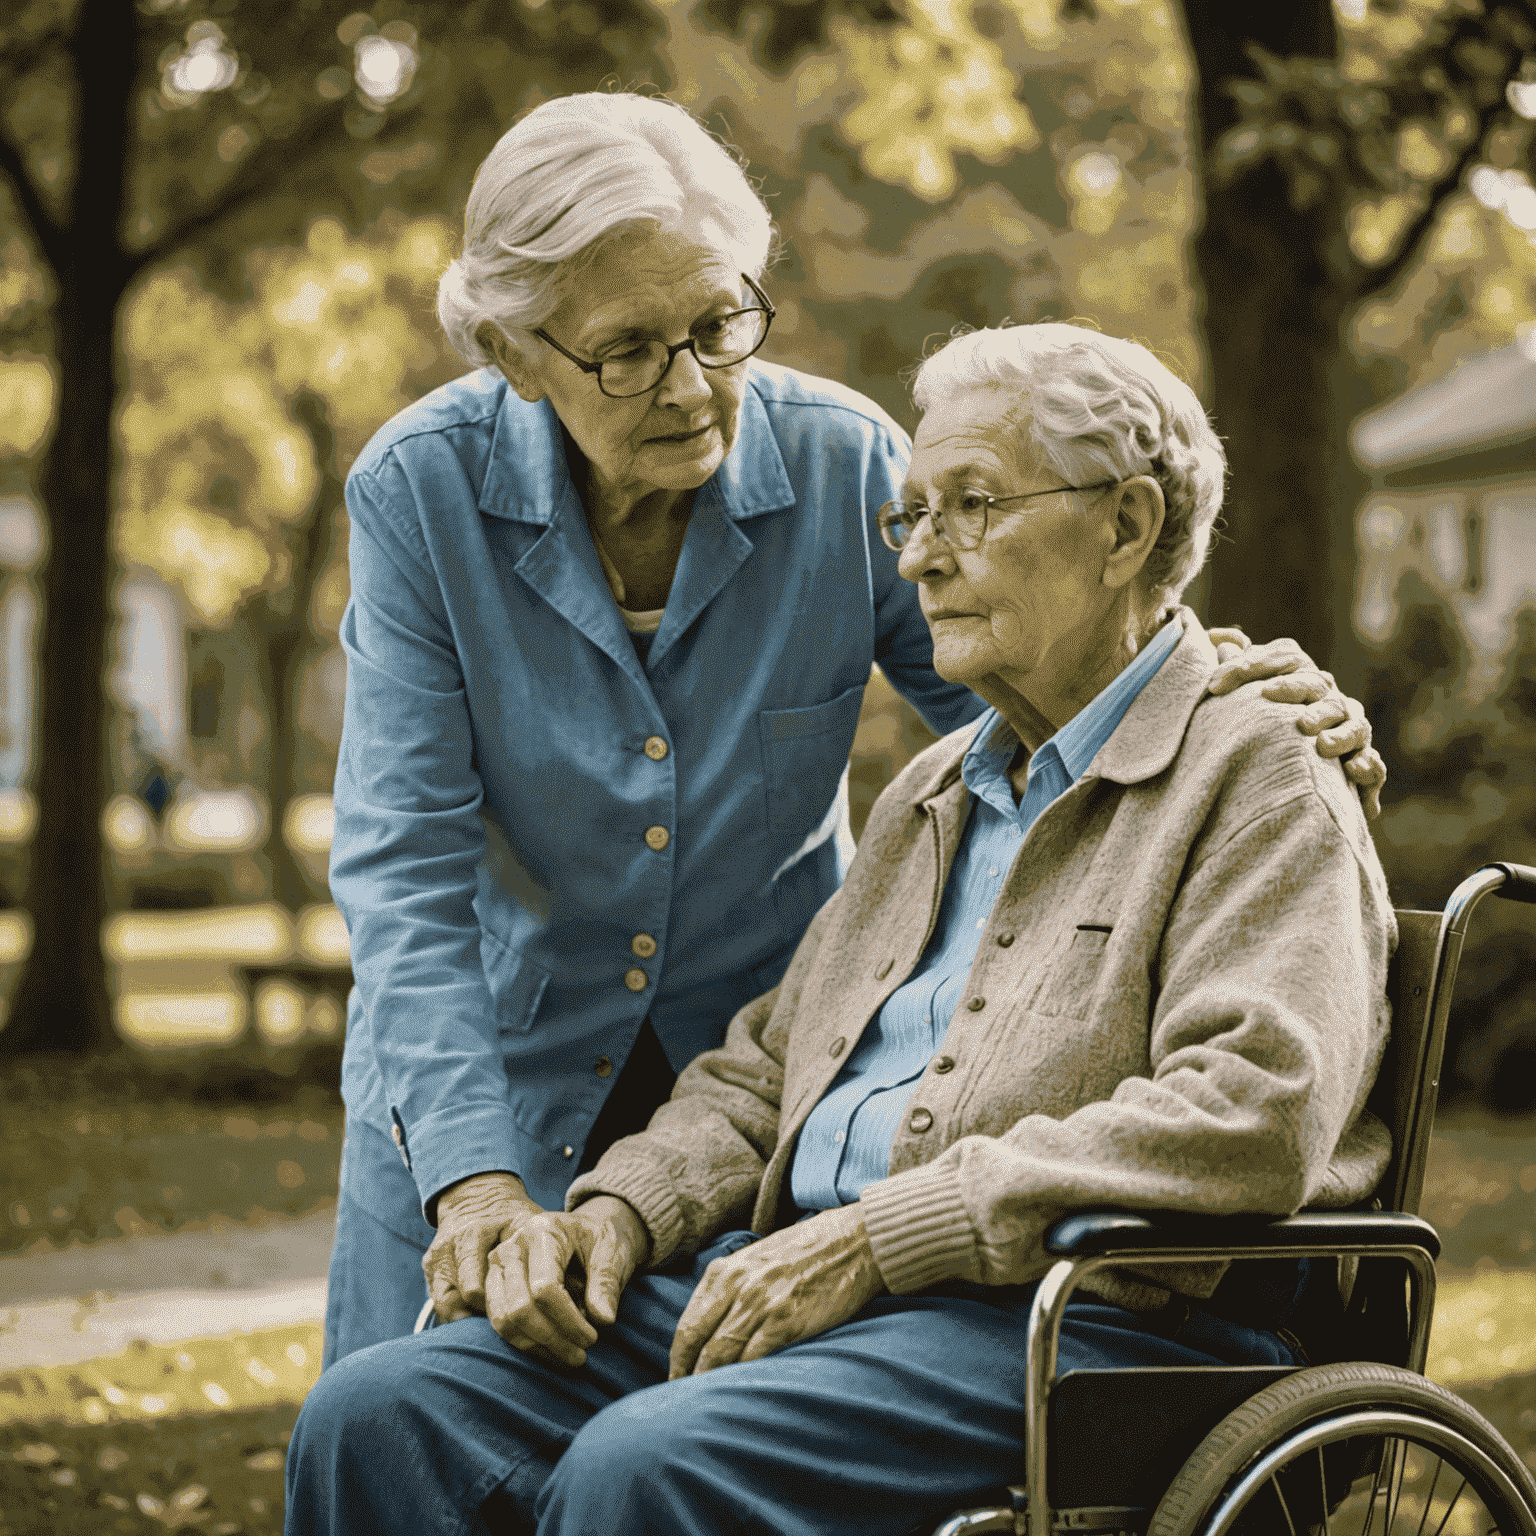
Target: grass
[[217, 1473], [88, 1153]]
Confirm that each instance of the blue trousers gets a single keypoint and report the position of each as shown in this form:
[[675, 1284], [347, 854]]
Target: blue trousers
[[376, 1286], [894, 1419]]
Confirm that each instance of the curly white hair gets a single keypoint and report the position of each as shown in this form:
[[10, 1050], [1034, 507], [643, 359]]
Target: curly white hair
[[1099, 408]]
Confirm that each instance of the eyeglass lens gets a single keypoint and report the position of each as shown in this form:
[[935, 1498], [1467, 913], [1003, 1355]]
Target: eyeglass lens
[[731, 339]]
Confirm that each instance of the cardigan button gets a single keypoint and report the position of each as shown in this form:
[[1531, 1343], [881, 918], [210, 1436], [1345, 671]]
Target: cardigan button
[[636, 980], [655, 748], [643, 945], [657, 838], [602, 1066], [882, 971], [944, 1064], [976, 1004], [567, 1151], [921, 1120], [836, 1048], [1004, 940]]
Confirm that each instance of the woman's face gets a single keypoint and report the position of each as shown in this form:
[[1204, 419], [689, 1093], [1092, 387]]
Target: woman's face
[[645, 285], [1029, 604]]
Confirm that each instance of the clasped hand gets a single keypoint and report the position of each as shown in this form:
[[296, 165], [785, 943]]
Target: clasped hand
[[500, 1254]]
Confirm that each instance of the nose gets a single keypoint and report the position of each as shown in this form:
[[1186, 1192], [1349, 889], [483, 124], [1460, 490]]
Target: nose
[[684, 385], [925, 555]]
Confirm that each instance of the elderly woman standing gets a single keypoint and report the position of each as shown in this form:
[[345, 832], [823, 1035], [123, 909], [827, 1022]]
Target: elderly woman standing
[[614, 604], [1119, 943]]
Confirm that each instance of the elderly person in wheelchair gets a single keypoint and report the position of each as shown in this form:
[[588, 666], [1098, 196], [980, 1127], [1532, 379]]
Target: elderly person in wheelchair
[[1117, 944]]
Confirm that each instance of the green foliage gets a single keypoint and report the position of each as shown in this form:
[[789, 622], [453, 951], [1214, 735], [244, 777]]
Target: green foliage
[[1390, 127]]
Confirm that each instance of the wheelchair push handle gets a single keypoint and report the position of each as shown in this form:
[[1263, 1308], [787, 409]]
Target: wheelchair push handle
[[1519, 881]]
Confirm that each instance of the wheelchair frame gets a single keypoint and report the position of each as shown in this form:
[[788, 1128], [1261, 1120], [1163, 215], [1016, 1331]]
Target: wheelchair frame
[[1086, 1243]]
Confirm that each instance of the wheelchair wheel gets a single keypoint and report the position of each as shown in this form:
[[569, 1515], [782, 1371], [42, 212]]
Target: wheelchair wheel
[[1351, 1450]]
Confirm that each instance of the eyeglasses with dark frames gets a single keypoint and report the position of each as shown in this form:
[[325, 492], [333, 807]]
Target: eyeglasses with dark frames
[[961, 516], [719, 343]]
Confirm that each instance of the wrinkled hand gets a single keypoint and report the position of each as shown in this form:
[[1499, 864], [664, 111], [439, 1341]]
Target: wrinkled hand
[[528, 1292], [473, 1216], [1338, 722], [791, 1285]]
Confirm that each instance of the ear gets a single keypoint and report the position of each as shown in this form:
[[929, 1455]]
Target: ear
[[511, 361], [1138, 512]]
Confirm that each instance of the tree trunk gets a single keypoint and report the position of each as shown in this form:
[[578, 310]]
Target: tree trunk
[[60, 1002], [282, 631], [1272, 322]]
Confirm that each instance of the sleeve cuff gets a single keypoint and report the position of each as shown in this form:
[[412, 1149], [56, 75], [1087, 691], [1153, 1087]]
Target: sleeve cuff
[[644, 1187], [454, 1144], [919, 1229]]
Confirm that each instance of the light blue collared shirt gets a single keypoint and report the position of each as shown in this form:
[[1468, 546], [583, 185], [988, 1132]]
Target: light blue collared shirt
[[846, 1142]]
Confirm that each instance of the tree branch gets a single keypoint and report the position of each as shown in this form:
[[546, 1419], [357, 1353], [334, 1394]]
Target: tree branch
[[273, 159], [50, 234], [1375, 279]]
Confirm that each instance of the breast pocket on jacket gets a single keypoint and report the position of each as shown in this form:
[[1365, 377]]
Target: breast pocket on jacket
[[804, 754], [1069, 983], [516, 985]]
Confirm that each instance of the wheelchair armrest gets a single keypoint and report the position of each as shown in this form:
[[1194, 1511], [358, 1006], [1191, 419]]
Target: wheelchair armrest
[[1094, 1233]]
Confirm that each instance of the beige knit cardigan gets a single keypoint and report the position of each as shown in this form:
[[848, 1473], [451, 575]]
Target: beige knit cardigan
[[1178, 1003]]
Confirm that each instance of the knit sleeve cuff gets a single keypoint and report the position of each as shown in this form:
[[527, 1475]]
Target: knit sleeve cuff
[[643, 1186], [919, 1229]]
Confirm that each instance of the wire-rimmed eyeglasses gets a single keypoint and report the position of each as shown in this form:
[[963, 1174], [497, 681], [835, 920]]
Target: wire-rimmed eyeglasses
[[961, 515], [718, 343]]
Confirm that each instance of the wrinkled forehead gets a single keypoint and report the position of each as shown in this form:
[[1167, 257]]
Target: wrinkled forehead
[[973, 435]]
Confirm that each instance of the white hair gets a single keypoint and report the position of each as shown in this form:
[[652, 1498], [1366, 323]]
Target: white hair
[[569, 176], [1101, 408]]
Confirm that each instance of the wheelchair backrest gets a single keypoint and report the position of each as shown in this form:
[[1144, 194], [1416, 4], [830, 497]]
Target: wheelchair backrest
[[1407, 1085]]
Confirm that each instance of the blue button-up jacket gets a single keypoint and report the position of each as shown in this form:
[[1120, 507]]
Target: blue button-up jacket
[[523, 808]]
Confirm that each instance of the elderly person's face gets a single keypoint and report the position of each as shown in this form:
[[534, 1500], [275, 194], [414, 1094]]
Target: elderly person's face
[[1044, 600], [641, 286]]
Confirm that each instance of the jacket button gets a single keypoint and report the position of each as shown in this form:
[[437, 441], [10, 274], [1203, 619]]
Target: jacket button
[[643, 945], [944, 1064], [636, 980], [921, 1120], [836, 1048], [602, 1066], [657, 838], [881, 972], [1004, 940], [656, 748], [976, 1004], [567, 1151]]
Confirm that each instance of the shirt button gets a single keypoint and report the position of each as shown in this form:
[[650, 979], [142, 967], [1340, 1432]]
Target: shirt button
[[398, 1134], [643, 945], [656, 748], [1018, 831], [567, 1151], [1004, 940], [882, 971], [602, 1066], [976, 1004], [636, 980], [993, 870], [657, 837], [836, 1048], [944, 1064], [920, 1121], [839, 1137]]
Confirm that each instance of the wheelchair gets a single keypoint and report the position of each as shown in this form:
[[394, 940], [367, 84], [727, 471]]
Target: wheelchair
[[1356, 1438]]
